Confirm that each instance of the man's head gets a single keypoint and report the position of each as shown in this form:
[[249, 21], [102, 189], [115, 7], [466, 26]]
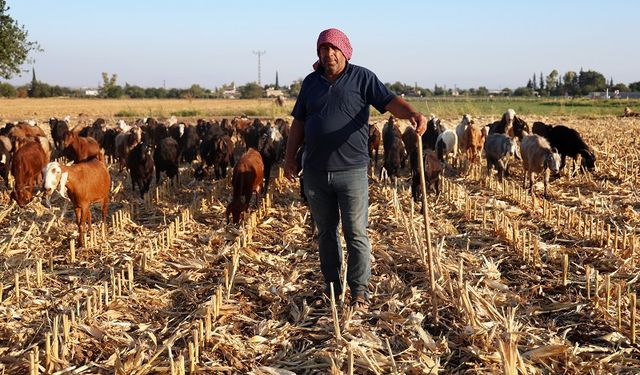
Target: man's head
[[334, 50]]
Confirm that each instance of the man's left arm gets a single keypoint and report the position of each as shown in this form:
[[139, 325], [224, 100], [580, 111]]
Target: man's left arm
[[403, 110]]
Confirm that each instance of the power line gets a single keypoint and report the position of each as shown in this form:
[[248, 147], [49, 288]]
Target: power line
[[259, 53]]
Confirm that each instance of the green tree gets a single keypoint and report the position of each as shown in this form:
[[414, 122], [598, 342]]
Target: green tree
[[197, 92], [155, 92], [7, 91], [174, 93], [109, 88], [34, 90], [482, 91], [523, 91], [591, 81], [635, 86], [294, 88], [620, 87], [541, 85], [134, 92], [251, 91], [438, 90], [14, 46], [397, 87], [571, 86], [552, 82]]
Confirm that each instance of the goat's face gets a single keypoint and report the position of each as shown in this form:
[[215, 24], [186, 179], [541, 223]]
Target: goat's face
[[466, 119], [552, 161], [22, 194], [509, 115], [68, 138], [512, 147], [236, 210], [588, 161], [52, 179]]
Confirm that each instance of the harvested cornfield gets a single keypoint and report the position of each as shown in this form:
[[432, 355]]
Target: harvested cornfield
[[521, 284]]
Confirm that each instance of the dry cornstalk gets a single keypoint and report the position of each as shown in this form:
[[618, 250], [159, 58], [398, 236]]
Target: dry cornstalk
[[394, 367], [130, 269], [565, 269], [427, 225], [192, 358], [39, 276], [196, 345], [350, 361], [72, 251], [619, 305], [632, 309], [207, 323], [54, 347], [47, 351], [16, 290], [587, 273], [596, 285]]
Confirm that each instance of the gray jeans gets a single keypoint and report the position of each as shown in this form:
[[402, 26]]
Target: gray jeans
[[341, 195]]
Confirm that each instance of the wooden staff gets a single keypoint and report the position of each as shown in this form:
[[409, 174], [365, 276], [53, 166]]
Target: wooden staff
[[425, 213]]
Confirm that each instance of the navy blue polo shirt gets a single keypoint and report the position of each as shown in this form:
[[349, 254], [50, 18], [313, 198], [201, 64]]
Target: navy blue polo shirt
[[336, 116]]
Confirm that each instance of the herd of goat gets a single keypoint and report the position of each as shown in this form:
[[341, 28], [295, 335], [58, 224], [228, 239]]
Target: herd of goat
[[541, 148], [252, 147]]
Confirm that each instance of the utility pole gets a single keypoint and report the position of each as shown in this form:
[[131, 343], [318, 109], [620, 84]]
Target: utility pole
[[259, 53]]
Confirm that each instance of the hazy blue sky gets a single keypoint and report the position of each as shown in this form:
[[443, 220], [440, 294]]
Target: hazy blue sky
[[465, 43]]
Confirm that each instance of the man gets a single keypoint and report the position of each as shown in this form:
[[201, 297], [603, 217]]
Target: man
[[331, 117]]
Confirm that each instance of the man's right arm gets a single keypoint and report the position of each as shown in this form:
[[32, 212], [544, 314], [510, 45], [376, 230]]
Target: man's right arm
[[296, 137]]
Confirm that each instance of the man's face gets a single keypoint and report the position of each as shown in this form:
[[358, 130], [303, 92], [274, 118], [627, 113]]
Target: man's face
[[331, 58]]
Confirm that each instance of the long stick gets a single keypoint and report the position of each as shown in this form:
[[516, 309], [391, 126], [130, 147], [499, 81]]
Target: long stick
[[427, 226]]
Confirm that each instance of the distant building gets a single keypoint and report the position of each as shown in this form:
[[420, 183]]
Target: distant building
[[230, 92], [272, 92], [91, 92]]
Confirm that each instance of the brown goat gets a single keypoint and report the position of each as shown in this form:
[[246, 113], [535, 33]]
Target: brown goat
[[84, 183], [23, 130], [26, 167], [248, 174], [628, 112], [471, 142], [81, 149]]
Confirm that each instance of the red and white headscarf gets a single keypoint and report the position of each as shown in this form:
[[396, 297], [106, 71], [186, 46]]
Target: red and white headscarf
[[336, 38]]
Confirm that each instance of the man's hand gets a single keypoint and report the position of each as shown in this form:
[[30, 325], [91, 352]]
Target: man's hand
[[290, 169], [419, 122]]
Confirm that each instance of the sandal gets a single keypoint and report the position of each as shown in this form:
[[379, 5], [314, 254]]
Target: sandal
[[360, 304]]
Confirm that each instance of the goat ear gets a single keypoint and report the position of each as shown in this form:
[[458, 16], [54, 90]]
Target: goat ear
[[62, 185], [554, 150]]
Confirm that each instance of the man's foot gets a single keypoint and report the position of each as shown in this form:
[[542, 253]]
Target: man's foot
[[359, 303]]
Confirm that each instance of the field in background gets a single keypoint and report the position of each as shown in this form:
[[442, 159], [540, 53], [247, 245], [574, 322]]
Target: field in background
[[41, 109], [581, 108]]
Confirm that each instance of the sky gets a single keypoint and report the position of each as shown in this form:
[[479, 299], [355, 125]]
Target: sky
[[464, 44]]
